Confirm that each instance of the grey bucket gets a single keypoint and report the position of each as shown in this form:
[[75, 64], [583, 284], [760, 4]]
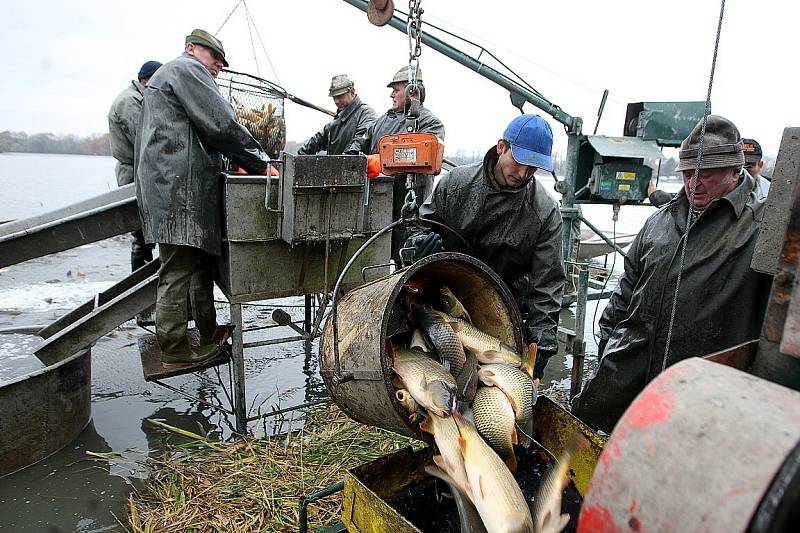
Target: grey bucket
[[367, 317]]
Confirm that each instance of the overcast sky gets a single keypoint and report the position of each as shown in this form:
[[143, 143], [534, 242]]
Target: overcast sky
[[67, 60]]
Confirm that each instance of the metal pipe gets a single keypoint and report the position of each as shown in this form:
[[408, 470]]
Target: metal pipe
[[287, 409], [305, 500], [270, 342], [578, 344], [194, 398], [237, 361], [602, 236], [307, 320], [573, 124]]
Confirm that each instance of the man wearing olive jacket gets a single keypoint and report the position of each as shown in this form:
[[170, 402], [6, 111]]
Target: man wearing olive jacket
[[186, 127]]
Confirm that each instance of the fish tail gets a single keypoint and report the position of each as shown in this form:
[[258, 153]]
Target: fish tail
[[529, 359], [511, 460]]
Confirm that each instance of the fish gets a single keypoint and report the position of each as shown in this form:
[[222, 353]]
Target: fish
[[468, 517], [547, 517], [451, 305], [494, 419], [431, 386], [442, 338], [445, 433], [520, 391], [490, 485], [408, 404], [418, 341], [488, 349]]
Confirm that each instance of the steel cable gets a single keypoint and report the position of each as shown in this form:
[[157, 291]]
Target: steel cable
[[690, 217]]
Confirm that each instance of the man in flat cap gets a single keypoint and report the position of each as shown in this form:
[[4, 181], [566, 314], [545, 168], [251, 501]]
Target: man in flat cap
[[123, 121], [186, 128], [395, 120], [720, 302], [752, 164], [353, 119]]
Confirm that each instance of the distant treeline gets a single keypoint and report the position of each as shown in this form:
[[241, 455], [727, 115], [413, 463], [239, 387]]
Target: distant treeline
[[49, 143]]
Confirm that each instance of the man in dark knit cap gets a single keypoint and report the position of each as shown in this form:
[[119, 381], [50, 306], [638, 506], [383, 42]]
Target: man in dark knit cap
[[123, 120], [720, 302]]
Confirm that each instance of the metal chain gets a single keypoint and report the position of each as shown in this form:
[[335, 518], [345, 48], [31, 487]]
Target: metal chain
[[690, 217], [414, 31]]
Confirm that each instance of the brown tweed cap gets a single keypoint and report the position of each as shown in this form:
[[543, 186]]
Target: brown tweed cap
[[722, 146]]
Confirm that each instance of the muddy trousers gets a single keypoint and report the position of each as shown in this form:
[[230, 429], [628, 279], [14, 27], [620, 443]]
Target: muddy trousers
[[185, 271], [141, 252]]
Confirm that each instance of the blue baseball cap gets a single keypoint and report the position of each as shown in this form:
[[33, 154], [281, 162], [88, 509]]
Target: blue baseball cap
[[531, 140]]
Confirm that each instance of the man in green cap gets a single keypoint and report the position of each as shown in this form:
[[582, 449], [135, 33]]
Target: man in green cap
[[186, 128], [353, 119], [720, 302]]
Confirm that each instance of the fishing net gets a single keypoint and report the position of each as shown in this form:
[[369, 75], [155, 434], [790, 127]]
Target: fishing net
[[259, 105]]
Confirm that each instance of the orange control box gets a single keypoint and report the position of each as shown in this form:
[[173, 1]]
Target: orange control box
[[411, 153]]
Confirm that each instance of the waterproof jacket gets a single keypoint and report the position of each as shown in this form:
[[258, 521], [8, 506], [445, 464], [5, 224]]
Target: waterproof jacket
[[393, 122], [123, 120], [186, 127], [351, 122], [516, 231], [721, 300]]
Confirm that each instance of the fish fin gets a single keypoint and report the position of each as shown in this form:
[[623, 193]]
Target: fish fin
[[529, 360], [455, 324], [467, 317], [469, 491], [442, 463], [511, 461], [426, 425], [514, 436], [462, 443], [398, 382], [481, 494], [526, 430], [562, 522]]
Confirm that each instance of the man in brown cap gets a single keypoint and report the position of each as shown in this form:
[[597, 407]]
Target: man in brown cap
[[186, 128], [353, 119], [721, 301]]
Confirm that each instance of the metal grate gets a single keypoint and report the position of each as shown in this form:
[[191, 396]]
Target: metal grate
[[259, 105]]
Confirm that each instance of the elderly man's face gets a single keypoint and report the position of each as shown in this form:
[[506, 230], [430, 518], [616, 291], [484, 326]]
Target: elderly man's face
[[344, 100], [399, 95], [712, 183], [208, 57]]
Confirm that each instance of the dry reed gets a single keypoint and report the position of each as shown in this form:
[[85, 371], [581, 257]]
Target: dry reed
[[254, 484]]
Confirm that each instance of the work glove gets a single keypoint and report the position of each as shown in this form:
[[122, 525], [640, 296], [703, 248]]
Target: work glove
[[424, 244], [374, 167]]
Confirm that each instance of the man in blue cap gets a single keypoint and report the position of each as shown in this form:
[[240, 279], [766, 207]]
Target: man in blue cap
[[511, 222], [123, 121]]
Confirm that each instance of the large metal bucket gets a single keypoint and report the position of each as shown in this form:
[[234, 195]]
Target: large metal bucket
[[44, 410], [368, 316]]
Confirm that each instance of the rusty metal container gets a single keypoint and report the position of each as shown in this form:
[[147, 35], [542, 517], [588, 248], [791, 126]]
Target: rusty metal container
[[258, 263], [323, 198], [44, 410], [368, 316]]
